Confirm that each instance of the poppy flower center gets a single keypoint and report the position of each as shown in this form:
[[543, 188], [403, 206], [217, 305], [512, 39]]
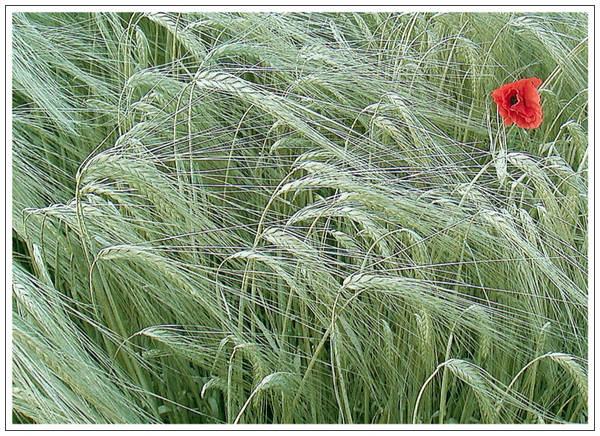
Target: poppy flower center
[[513, 99]]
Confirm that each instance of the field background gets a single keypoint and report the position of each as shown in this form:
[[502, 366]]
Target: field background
[[297, 218]]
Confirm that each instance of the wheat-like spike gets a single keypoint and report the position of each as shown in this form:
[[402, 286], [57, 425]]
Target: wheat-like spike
[[180, 32], [280, 381], [570, 364], [467, 373]]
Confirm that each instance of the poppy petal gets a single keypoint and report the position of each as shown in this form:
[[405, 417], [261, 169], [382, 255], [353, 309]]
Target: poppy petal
[[526, 111]]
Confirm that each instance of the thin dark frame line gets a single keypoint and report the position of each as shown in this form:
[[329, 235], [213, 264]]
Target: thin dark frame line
[[31, 427]]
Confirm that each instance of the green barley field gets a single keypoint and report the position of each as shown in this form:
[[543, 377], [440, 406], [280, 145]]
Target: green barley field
[[297, 218]]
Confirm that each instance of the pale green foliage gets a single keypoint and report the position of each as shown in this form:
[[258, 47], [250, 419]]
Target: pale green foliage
[[297, 218]]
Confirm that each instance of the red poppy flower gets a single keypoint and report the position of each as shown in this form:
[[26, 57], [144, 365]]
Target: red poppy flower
[[519, 102]]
